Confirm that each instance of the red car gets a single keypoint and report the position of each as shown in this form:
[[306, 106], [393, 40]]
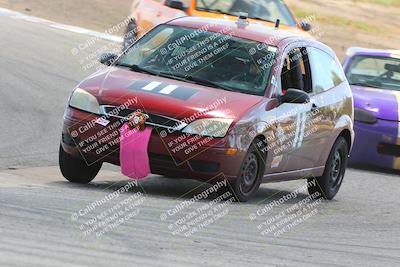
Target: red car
[[225, 100]]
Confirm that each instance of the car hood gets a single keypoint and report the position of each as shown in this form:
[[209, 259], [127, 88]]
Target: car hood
[[164, 96], [384, 104]]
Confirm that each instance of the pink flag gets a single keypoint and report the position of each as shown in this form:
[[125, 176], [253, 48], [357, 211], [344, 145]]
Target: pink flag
[[133, 155]]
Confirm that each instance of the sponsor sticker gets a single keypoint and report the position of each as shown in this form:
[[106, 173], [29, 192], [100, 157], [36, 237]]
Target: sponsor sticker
[[276, 161], [102, 122]]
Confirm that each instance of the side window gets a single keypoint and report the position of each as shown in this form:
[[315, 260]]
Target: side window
[[326, 72], [208, 4], [296, 71]]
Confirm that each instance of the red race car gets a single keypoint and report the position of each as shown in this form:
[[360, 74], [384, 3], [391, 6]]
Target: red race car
[[220, 100]]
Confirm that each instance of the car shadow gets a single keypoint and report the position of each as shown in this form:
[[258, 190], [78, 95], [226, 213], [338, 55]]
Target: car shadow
[[372, 168], [181, 189]]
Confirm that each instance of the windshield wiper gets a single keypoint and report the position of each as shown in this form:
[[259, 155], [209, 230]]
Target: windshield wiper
[[137, 68], [365, 84], [172, 76], [195, 80], [208, 83], [219, 11], [263, 19]]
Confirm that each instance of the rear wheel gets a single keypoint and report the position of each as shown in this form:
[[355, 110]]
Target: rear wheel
[[76, 170], [329, 183], [130, 35], [251, 173]]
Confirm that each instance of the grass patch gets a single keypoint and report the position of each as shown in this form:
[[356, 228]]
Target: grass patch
[[381, 2], [341, 21], [301, 14], [338, 20]]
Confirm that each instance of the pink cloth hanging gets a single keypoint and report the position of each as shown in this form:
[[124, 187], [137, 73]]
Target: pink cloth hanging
[[133, 155]]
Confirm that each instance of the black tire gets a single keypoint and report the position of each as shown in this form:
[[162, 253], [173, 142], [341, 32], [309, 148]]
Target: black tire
[[76, 170], [251, 173], [130, 35], [329, 183]]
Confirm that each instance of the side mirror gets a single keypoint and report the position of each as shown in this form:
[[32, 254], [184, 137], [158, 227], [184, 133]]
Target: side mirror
[[306, 26], [295, 96], [175, 4], [108, 59]]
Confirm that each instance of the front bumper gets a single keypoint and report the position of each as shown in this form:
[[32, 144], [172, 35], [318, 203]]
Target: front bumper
[[377, 144], [82, 137]]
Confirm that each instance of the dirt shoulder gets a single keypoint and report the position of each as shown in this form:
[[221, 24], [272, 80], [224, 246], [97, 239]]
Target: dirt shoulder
[[346, 23], [339, 23]]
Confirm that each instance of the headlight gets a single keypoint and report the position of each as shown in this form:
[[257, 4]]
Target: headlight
[[364, 116], [83, 100], [209, 127]]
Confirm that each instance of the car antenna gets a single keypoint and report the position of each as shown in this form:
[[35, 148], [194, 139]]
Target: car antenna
[[277, 23]]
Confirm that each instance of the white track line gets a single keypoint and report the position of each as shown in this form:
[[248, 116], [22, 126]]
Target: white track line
[[17, 15]]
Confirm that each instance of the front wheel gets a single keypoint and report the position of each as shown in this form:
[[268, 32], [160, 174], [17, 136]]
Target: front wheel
[[76, 170], [251, 174], [328, 185]]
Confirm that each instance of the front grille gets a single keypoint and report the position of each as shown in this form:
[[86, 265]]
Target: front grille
[[165, 161], [389, 149], [206, 167], [156, 120]]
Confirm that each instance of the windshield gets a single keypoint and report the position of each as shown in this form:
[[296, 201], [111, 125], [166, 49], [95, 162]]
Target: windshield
[[269, 10], [378, 72], [207, 58]]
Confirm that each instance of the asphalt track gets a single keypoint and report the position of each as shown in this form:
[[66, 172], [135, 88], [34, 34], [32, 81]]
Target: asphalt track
[[40, 213]]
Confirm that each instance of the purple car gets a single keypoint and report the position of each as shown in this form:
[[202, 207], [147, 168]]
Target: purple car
[[374, 76]]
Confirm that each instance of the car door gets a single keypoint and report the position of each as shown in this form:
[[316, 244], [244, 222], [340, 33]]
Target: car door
[[327, 98], [290, 119], [295, 124]]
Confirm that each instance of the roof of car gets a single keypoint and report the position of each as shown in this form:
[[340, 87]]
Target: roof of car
[[252, 31], [352, 51]]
